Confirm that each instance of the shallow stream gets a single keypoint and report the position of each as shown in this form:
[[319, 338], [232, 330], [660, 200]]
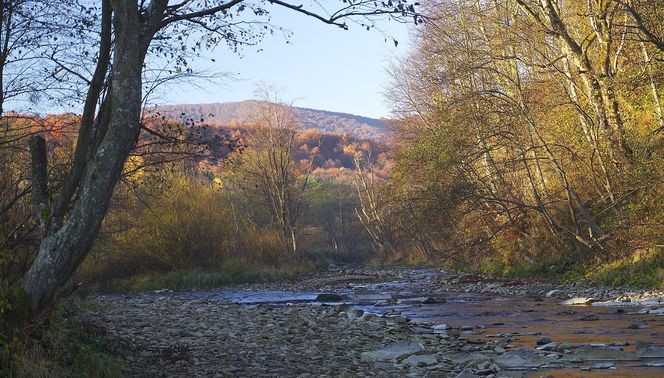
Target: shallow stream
[[612, 340]]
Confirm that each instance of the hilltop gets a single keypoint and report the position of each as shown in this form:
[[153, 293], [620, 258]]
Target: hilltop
[[243, 112]]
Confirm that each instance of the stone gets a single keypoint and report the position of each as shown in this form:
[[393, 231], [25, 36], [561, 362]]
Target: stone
[[543, 340], [649, 350], [434, 300], [599, 354], [394, 351], [520, 358], [440, 327], [579, 301], [553, 293], [343, 307], [658, 311], [466, 373], [598, 365], [421, 360], [547, 346], [589, 318], [331, 297], [499, 350], [367, 316], [563, 347]]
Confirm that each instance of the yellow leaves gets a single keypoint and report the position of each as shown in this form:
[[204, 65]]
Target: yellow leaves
[[217, 183], [133, 168]]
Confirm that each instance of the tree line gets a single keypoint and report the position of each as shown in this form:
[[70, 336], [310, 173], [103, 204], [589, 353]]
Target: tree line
[[530, 133]]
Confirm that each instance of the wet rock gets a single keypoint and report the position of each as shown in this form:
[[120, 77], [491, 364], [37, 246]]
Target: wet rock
[[394, 351], [658, 311], [590, 318], [466, 373], [547, 346], [599, 354], [434, 300], [649, 350], [520, 359], [440, 327], [598, 365], [563, 347], [579, 301], [543, 340], [354, 314], [343, 307], [554, 293], [640, 325], [367, 316], [331, 297]]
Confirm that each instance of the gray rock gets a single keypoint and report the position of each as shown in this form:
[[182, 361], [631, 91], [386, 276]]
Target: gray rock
[[520, 358], [440, 327], [563, 347], [648, 350], [599, 354], [547, 346], [543, 340], [331, 297], [393, 351], [466, 373], [598, 365], [658, 311], [554, 293], [421, 360], [579, 301], [434, 300]]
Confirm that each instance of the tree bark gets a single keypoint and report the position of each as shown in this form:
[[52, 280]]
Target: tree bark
[[61, 252], [39, 178]]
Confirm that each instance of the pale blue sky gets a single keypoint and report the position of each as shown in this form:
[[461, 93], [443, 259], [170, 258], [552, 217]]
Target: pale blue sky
[[323, 67]]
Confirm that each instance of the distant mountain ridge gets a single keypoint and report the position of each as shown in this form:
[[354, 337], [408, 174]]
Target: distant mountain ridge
[[243, 112]]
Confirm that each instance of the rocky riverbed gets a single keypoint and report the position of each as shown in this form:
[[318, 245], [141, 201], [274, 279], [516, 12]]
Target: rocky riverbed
[[390, 323]]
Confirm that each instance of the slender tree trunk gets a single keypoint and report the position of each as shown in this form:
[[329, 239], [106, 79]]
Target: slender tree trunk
[[653, 88], [61, 252]]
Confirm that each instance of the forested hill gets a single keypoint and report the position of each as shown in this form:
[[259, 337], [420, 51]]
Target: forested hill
[[243, 112]]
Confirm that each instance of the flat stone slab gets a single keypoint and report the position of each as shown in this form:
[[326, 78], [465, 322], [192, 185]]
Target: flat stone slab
[[424, 359], [520, 358], [394, 351], [599, 354], [648, 350]]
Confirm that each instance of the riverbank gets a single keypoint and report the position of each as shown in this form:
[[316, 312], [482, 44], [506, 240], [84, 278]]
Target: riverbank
[[387, 322]]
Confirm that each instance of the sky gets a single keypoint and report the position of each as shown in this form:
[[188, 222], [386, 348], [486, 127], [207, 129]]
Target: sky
[[321, 67]]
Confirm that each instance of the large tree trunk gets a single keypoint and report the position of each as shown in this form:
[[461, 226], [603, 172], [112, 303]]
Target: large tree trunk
[[61, 252]]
